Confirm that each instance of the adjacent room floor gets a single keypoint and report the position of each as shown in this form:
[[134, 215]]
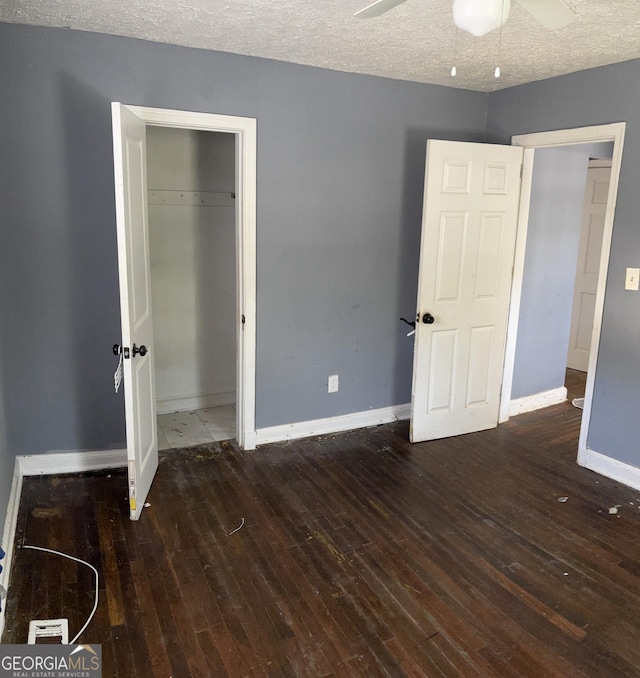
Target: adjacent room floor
[[186, 429], [359, 554]]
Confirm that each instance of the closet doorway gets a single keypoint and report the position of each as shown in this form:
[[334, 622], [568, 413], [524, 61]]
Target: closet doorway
[[137, 347], [192, 225]]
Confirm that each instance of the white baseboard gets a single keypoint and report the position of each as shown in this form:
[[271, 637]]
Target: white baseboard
[[624, 473], [9, 537], [346, 422], [195, 401], [537, 401], [70, 462]]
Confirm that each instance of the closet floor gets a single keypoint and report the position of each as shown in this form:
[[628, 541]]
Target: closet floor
[[196, 427]]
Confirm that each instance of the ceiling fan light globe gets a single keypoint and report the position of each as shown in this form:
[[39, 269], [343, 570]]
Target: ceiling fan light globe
[[480, 17]]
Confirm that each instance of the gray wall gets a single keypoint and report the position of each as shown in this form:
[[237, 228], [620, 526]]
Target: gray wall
[[553, 236], [595, 97], [340, 174], [598, 151]]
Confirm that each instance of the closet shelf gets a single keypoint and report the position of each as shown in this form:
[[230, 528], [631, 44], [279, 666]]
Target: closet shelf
[[191, 198]]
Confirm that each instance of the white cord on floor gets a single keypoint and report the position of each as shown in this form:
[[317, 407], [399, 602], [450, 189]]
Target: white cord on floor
[[237, 528], [77, 560]]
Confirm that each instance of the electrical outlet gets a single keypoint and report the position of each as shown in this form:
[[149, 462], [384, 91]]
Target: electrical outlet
[[632, 279], [333, 384]]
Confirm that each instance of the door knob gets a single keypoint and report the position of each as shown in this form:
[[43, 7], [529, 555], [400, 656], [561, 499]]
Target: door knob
[[142, 350], [428, 319]]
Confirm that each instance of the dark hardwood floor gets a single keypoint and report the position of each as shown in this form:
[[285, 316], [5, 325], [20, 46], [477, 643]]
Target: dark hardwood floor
[[575, 382], [360, 555]]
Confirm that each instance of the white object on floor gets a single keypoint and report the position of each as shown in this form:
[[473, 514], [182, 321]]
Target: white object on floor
[[578, 402], [48, 628]]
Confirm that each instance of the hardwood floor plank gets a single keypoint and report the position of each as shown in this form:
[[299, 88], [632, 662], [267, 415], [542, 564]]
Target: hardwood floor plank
[[154, 562], [360, 554], [109, 567], [122, 653]]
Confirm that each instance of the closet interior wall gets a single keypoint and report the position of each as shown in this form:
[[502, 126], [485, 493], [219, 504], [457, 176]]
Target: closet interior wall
[[191, 184]]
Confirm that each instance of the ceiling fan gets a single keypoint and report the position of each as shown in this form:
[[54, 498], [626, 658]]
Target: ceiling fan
[[480, 17]]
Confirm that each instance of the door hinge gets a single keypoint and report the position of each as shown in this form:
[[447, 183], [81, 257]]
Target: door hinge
[[243, 320]]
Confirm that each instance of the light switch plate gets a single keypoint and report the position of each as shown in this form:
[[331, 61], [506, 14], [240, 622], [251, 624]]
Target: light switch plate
[[632, 279]]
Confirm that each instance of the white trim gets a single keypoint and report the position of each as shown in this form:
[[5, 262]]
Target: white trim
[[604, 163], [611, 468], [194, 401], [612, 132], [516, 285], [245, 130], [345, 422], [70, 462], [576, 135], [9, 537], [537, 401], [168, 198], [250, 440]]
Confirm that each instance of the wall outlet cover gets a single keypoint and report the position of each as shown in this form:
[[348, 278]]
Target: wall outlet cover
[[632, 279], [333, 383]]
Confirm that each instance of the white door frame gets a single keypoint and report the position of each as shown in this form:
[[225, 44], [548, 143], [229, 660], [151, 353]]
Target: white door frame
[[245, 130], [612, 132]]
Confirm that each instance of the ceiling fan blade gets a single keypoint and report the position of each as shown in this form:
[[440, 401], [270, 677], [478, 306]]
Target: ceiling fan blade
[[550, 13], [377, 8]]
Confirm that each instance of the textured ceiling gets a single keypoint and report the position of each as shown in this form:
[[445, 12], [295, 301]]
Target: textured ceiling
[[415, 41]]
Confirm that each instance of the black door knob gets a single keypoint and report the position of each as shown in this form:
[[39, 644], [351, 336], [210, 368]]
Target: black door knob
[[428, 319], [142, 350]]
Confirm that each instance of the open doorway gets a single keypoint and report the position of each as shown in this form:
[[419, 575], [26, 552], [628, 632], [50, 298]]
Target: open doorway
[[191, 202], [137, 349], [613, 133], [561, 198]]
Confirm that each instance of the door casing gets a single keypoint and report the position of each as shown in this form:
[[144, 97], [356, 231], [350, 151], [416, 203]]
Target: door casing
[[245, 131], [599, 133]]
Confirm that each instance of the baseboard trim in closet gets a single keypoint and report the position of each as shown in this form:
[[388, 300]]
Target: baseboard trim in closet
[[194, 401]]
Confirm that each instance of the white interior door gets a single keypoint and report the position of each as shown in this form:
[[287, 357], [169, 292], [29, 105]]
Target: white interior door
[[470, 213], [584, 294], [129, 149]]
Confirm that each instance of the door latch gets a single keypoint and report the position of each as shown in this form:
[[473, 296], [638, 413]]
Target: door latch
[[118, 349]]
